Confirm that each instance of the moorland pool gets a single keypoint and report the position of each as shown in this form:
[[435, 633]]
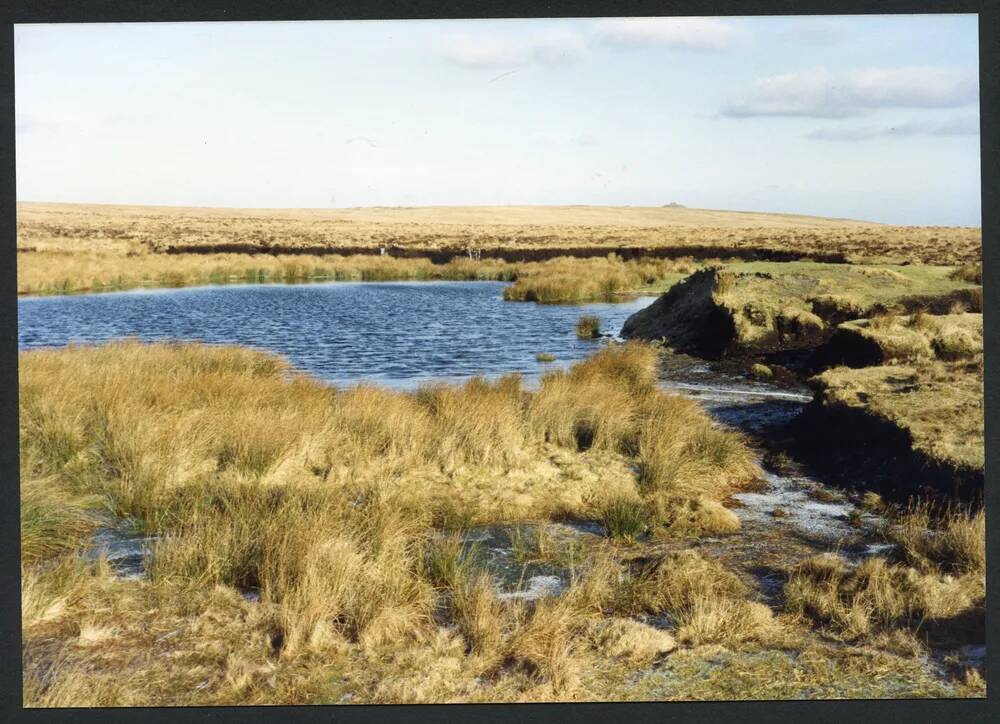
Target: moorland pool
[[396, 334]]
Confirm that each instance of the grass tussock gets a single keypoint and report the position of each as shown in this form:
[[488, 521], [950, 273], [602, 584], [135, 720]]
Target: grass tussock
[[877, 595], [953, 540], [610, 402], [972, 273], [588, 327], [694, 516], [936, 582], [624, 518], [921, 336], [709, 603], [54, 520]]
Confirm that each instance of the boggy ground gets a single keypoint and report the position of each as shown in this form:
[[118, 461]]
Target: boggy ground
[[334, 506], [513, 232]]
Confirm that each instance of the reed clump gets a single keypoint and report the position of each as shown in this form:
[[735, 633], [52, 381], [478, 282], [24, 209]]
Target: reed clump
[[566, 280], [588, 327]]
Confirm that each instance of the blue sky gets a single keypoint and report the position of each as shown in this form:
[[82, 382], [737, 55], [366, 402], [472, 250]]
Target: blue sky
[[871, 117]]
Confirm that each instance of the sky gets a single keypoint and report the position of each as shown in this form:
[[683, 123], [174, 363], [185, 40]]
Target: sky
[[865, 117]]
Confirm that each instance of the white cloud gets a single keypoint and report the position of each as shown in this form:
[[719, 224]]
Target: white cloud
[[814, 31], [955, 127], [499, 51], [688, 33], [822, 94]]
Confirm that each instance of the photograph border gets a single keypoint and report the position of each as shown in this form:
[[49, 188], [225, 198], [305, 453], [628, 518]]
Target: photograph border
[[66, 11]]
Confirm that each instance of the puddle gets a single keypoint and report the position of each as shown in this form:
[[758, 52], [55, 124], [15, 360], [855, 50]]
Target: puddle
[[536, 587], [125, 550], [528, 561]]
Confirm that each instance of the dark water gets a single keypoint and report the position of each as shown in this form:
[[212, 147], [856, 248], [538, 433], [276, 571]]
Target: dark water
[[396, 334]]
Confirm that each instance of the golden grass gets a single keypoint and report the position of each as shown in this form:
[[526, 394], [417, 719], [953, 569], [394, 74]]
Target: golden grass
[[322, 500], [69, 272], [624, 518], [709, 603], [571, 281], [878, 595], [905, 338], [556, 281], [53, 520], [952, 540], [937, 583], [144, 424], [138, 229]]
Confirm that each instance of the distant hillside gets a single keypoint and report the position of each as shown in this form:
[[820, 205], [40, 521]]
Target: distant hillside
[[513, 233], [625, 216]]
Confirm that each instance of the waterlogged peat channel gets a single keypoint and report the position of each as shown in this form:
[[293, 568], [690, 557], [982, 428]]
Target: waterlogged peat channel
[[792, 515]]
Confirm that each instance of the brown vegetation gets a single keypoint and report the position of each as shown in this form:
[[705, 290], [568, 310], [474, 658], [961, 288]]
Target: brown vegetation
[[138, 229], [323, 501], [938, 586]]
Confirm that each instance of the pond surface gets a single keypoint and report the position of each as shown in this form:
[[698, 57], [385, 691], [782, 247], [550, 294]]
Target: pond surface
[[397, 334]]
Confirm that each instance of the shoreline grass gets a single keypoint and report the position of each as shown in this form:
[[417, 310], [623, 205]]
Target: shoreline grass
[[563, 280]]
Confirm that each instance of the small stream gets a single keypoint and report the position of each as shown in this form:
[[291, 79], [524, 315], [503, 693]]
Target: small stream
[[793, 515]]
